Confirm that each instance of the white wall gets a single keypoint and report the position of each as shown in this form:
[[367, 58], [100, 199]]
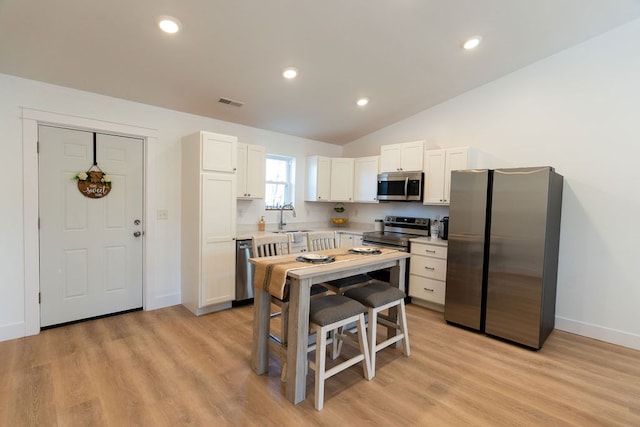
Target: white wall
[[578, 111], [162, 185]]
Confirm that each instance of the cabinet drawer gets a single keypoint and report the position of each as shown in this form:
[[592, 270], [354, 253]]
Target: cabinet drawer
[[427, 289], [434, 268], [429, 250]]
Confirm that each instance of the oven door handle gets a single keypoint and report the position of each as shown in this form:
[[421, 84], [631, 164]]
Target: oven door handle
[[383, 245]]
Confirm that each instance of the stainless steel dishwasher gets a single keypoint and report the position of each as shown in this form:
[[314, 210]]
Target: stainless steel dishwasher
[[244, 271]]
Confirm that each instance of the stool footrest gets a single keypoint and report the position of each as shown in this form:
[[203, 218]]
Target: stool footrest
[[389, 341]]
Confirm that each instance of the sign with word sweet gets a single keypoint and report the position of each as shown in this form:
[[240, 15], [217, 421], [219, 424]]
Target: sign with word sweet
[[93, 184]]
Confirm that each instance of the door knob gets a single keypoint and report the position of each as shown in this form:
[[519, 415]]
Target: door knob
[[137, 233]]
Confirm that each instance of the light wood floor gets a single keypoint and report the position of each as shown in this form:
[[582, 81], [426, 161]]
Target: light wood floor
[[170, 368]]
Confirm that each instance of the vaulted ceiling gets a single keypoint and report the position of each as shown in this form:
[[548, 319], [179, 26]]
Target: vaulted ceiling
[[403, 55]]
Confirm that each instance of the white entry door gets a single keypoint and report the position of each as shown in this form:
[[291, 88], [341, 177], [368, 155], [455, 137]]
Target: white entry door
[[90, 249]]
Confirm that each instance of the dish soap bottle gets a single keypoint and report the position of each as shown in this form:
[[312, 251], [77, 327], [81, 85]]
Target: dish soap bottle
[[435, 227], [261, 224]]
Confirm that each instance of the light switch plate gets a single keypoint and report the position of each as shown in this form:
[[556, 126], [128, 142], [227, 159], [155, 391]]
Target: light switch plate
[[162, 214]]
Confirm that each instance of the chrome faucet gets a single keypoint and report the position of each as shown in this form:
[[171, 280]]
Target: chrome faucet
[[282, 208]]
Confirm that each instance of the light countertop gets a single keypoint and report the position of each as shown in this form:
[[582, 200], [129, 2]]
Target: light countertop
[[248, 231], [430, 241]]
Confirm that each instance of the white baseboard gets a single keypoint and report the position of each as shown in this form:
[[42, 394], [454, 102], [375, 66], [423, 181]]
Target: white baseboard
[[12, 331], [163, 301], [18, 329], [600, 333], [427, 304]]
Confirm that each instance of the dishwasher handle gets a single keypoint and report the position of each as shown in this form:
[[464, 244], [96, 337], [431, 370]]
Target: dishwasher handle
[[244, 270]]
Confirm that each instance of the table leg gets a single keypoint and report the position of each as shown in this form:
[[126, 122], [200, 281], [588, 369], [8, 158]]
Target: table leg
[[396, 278], [261, 318], [298, 339]]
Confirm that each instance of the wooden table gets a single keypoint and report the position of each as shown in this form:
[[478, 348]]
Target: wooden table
[[300, 286]]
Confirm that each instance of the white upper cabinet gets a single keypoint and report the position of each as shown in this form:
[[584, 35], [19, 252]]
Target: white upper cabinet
[[365, 179], [438, 165], [341, 180], [318, 179], [219, 152], [407, 156], [251, 171], [434, 176], [455, 159]]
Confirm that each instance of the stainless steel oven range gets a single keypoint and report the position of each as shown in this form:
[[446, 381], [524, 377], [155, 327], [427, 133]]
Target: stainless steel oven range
[[396, 234]]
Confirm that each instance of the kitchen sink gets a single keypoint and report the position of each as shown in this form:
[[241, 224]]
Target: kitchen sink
[[297, 236]]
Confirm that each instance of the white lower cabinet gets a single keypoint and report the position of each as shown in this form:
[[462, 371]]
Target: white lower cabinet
[[428, 272], [348, 240], [218, 280], [298, 242]]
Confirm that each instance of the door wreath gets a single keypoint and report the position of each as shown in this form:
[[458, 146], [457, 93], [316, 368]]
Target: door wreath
[[93, 183]]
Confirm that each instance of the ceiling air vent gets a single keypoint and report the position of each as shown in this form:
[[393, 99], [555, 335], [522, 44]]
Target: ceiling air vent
[[230, 102]]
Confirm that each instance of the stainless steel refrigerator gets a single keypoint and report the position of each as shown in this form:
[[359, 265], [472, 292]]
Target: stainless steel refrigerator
[[502, 261]]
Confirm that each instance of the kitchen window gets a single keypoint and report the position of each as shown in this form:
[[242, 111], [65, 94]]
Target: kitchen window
[[280, 173]]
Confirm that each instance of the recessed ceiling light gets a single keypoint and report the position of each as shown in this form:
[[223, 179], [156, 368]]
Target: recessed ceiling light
[[472, 42], [362, 102], [290, 73], [169, 24]]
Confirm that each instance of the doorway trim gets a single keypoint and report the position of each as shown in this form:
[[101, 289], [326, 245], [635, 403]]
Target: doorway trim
[[31, 119]]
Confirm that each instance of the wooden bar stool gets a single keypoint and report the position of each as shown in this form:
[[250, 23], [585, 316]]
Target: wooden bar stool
[[327, 314], [322, 240], [379, 296], [272, 245]]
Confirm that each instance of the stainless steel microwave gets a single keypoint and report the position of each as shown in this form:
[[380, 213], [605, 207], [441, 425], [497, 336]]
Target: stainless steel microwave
[[400, 186]]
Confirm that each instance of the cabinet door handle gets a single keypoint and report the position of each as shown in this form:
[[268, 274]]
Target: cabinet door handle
[[429, 290], [430, 251], [429, 268]]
